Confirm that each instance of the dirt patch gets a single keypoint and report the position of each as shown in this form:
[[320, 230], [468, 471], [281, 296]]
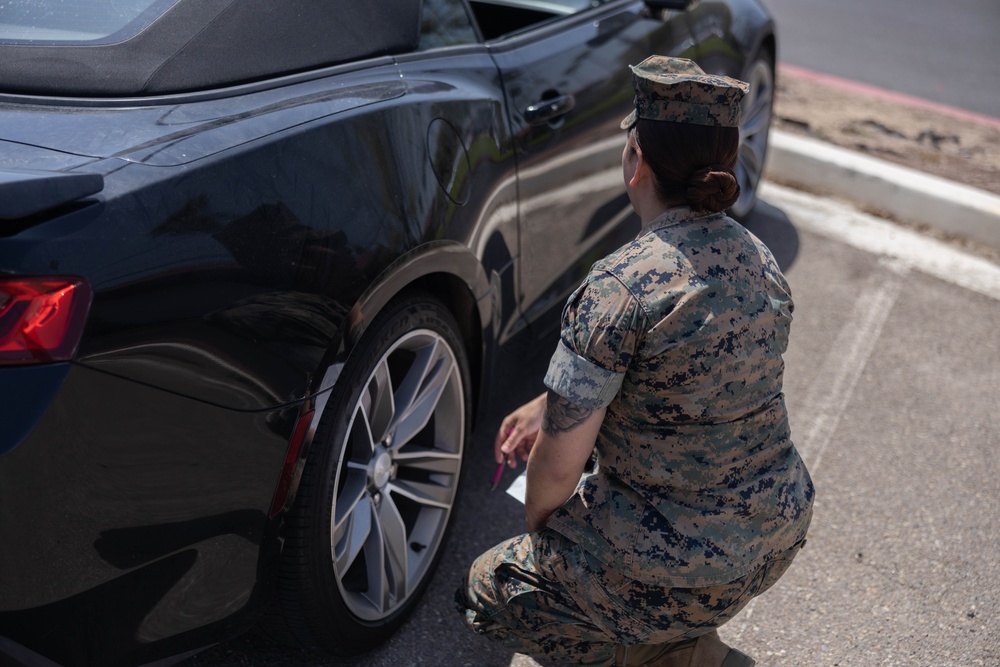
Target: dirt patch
[[957, 148]]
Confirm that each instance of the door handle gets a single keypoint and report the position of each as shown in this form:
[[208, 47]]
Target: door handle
[[542, 112]]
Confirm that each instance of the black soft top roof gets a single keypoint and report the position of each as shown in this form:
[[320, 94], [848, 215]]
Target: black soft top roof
[[200, 44]]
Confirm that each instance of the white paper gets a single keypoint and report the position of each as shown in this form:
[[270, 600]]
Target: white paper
[[518, 487]]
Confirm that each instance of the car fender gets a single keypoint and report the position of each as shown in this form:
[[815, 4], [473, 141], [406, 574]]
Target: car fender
[[415, 268]]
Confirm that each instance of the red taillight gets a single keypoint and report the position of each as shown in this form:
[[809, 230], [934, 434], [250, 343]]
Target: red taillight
[[41, 319]]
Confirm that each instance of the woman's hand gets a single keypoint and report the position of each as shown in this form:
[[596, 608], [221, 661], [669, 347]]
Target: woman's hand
[[518, 432]]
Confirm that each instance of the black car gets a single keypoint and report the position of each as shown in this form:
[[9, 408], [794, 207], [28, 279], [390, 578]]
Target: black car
[[259, 264]]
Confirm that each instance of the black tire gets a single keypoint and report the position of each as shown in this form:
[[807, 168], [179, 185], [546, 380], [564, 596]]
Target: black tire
[[755, 127], [375, 500]]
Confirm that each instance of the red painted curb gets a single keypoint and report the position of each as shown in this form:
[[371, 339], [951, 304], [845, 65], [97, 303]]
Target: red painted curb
[[887, 95]]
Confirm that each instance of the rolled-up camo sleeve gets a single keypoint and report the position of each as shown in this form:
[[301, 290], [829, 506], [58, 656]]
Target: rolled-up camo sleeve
[[602, 325]]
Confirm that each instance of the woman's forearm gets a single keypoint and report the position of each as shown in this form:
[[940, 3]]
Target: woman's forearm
[[557, 459], [551, 481]]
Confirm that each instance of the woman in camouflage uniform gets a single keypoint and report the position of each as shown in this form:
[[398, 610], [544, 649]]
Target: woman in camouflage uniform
[[670, 364]]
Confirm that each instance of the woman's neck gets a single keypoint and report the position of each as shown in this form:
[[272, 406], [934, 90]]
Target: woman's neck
[[653, 208]]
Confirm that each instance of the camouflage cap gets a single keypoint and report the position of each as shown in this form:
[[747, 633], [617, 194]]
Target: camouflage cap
[[676, 89]]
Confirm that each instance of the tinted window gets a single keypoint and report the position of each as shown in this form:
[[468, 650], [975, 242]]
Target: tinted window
[[76, 21], [445, 23], [498, 18]]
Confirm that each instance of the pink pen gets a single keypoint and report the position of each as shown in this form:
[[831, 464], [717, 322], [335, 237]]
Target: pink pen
[[500, 466], [496, 476]]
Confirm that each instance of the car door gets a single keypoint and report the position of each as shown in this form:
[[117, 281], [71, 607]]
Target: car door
[[568, 86]]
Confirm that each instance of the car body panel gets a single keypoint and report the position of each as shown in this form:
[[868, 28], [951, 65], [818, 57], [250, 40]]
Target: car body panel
[[137, 535], [178, 129], [192, 324]]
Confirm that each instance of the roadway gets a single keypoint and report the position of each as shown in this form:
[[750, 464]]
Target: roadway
[[945, 52]]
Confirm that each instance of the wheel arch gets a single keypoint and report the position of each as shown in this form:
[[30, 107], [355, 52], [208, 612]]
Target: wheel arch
[[447, 270]]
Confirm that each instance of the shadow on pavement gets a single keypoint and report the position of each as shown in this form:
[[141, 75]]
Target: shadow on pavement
[[773, 227]]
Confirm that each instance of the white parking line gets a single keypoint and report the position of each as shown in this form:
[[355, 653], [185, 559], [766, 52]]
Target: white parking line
[[832, 388], [843, 223], [827, 398]]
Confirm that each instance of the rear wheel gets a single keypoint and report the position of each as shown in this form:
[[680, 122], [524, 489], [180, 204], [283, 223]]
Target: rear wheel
[[380, 483], [755, 126]]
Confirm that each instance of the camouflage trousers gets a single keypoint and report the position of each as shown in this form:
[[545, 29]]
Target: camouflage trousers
[[542, 595]]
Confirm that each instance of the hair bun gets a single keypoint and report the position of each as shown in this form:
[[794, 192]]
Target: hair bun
[[713, 188]]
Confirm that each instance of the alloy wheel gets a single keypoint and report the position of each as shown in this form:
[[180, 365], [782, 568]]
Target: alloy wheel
[[398, 474]]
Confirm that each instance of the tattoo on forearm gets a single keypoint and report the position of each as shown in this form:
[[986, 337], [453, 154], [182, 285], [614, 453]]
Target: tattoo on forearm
[[561, 416]]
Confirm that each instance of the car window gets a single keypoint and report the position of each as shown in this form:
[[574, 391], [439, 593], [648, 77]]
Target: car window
[[445, 23], [499, 18], [76, 21]]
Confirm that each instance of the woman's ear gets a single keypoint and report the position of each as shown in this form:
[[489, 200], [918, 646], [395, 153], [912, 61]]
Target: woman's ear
[[642, 170]]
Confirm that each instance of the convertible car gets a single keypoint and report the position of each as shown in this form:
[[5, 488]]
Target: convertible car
[[259, 265]]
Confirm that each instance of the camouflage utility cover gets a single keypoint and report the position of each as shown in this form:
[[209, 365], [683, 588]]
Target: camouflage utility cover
[[677, 90], [680, 334]]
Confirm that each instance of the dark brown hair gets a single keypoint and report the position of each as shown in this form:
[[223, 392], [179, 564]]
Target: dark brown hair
[[693, 164]]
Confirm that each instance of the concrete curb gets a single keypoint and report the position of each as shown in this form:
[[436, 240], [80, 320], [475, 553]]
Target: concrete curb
[[879, 186]]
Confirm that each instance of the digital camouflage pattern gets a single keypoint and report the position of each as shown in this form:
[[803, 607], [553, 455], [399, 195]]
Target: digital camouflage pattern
[[677, 90], [680, 333], [541, 595]]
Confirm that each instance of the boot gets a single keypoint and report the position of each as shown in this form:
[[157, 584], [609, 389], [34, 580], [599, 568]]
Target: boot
[[704, 651]]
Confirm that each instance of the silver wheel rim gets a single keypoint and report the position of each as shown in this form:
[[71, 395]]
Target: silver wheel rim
[[755, 123], [398, 475]]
